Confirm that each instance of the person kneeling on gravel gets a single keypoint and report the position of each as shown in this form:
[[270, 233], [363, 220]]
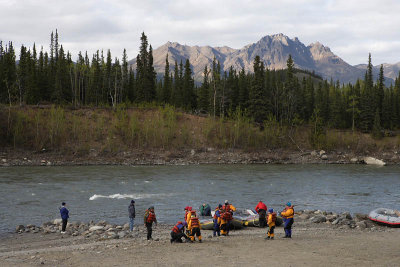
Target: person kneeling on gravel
[[149, 218], [178, 231]]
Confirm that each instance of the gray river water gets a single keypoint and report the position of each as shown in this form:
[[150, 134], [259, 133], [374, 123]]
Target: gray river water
[[32, 195]]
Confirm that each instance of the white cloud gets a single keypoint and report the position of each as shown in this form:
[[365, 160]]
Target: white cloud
[[351, 29]]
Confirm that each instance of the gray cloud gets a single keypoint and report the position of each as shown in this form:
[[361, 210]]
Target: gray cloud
[[351, 29]]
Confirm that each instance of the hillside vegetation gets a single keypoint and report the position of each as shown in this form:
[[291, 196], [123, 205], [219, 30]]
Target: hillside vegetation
[[107, 130]]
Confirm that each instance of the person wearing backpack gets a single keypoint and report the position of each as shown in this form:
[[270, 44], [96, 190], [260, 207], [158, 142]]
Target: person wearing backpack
[[149, 218]]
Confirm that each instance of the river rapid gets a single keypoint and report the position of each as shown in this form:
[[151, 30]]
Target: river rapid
[[32, 195]]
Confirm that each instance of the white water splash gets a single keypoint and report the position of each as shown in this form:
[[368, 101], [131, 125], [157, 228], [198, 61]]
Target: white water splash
[[132, 196]]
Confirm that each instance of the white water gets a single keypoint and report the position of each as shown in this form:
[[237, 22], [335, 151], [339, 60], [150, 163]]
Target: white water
[[130, 196]]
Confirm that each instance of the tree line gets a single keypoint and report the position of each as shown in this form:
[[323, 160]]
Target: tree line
[[290, 96]]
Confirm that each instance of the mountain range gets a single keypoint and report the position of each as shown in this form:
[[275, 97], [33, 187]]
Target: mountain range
[[274, 51]]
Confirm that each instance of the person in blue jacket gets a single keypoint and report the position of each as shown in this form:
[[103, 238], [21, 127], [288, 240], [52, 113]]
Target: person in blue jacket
[[217, 221], [64, 216]]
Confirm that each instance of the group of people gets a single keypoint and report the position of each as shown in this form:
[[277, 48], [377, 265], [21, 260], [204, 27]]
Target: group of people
[[287, 215], [222, 219]]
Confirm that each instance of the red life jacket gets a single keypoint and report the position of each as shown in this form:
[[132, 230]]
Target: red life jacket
[[151, 217], [227, 216], [273, 216], [195, 222], [175, 229]]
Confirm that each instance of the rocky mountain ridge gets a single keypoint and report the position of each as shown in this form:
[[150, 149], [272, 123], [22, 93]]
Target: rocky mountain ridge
[[274, 51]]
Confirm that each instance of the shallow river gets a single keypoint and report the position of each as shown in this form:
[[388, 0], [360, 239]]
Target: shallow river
[[32, 195]]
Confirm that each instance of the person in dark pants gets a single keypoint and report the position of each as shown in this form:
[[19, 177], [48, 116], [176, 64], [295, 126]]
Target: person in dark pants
[[261, 209], [149, 218], [64, 216], [217, 220], [178, 231], [287, 215], [132, 214]]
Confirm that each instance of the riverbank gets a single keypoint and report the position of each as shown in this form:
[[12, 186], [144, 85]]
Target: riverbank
[[49, 135], [190, 156], [313, 244]]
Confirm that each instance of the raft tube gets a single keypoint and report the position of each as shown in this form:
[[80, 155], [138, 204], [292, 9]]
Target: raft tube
[[236, 224], [253, 221], [386, 217]]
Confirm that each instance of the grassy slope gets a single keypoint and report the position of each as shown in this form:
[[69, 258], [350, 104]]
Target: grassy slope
[[77, 131]]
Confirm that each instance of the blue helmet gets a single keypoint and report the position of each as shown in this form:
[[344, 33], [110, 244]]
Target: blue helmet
[[271, 210], [288, 204]]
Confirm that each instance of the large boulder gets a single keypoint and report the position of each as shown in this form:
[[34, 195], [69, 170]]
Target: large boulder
[[318, 219], [304, 216], [361, 225], [374, 161], [57, 221], [19, 228], [96, 228]]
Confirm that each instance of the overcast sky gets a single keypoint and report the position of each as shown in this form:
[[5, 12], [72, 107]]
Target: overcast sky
[[351, 28]]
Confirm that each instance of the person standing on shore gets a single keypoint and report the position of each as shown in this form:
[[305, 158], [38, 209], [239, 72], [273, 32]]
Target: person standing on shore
[[261, 209], [226, 218], [217, 220], [288, 214], [149, 218], [271, 224], [64, 216], [132, 214], [194, 228]]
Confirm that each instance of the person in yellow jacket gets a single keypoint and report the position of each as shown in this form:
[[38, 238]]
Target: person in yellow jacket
[[226, 217], [271, 224], [287, 215], [194, 228], [189, 217]]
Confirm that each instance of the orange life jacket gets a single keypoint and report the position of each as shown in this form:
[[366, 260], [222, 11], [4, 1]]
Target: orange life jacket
[[227, 216], [273, 216], [195, 222], [151, 217]]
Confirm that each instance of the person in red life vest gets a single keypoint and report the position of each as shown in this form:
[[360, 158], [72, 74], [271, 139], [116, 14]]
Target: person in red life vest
[[226, 217], [217, 220], [149, 218], [271, 223], [287, 215], [261, 209], [194, 228], [178, 231]]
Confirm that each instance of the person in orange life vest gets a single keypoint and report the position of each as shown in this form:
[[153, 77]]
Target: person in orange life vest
[[261, 209], [194, 227], [186, 209], [271, 223], [226, 217], [287, 215], [188, 214], [178, 232], [217, 220], [149, 218]]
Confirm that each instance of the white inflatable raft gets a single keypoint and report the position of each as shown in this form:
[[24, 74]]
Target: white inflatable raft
[[385, 216]]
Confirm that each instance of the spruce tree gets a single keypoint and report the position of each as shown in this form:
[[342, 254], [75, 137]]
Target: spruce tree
[[189, 98], [204, 96], [257, 102], [166, 89]]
